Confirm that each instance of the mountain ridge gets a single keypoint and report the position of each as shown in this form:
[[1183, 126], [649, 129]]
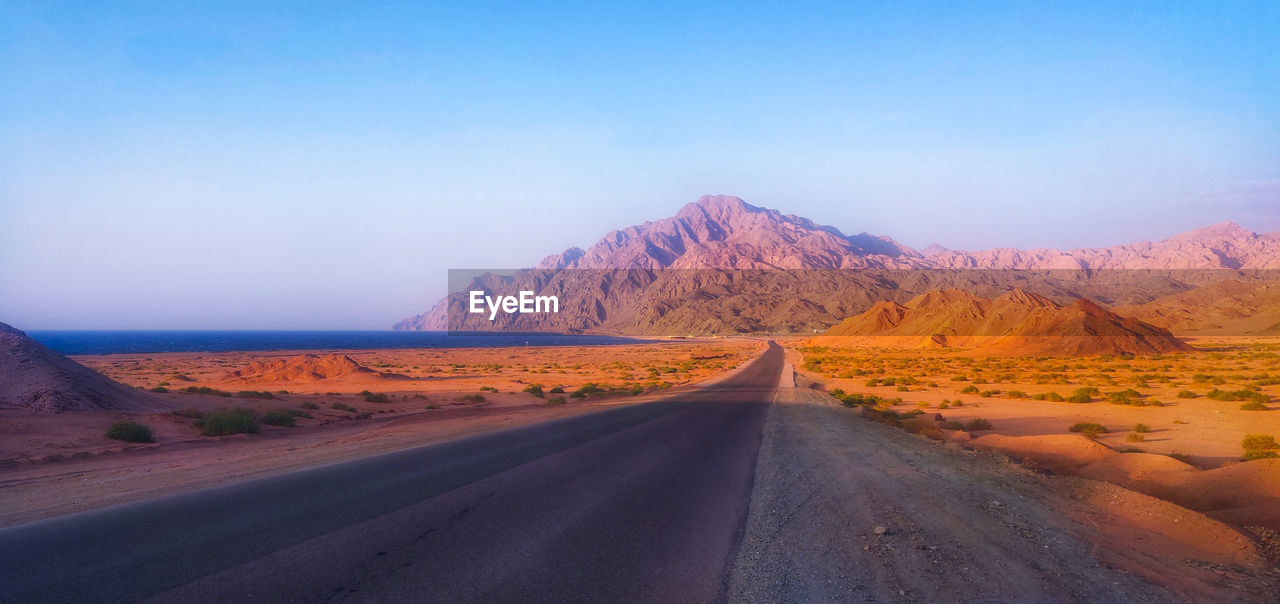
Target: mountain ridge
[[721, 232]]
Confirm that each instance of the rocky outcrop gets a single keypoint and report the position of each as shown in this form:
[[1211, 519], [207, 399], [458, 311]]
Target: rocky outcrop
[[39, 379]]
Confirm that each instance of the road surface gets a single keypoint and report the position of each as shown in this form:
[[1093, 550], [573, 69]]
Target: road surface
[[743, 490], [644, 501]]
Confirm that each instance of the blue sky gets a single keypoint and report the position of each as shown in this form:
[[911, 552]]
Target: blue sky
[[316, 165]]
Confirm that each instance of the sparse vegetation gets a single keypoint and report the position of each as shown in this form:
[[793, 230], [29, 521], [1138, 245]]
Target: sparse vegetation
[[375, 397], [225, 422], [586, 390], [131, 432], [1089, 429], [1260, 446], [473, 398], [281, 417], [206, 390], [1083, 395], [977, 424]]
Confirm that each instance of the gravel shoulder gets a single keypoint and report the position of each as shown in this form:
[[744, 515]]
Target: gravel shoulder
[[848, 509]]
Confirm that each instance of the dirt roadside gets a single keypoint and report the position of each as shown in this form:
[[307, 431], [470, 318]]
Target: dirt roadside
[[848, 509]]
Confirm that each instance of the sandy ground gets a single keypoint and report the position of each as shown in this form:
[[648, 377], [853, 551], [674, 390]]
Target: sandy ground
[[1205, 472], [52, 465], [1207, 432], [847, 509]]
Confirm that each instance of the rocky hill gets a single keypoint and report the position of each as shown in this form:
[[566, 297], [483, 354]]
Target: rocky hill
[[721, 265], [1017, 322], [36, 378], [1229, 307]]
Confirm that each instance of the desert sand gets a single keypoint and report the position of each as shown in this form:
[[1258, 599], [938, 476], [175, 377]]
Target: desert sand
[[1174, 423]]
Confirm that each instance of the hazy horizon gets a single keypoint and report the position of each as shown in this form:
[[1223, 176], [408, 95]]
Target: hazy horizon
[[242, 167]]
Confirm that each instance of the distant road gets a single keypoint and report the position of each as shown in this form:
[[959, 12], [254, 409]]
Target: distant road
[[644, 502]]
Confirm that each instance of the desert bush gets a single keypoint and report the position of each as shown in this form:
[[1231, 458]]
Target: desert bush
[[1124, 397], [473, 398], [557, 390], [1016, 394], [1141, 428], [377, 397], [1083, 395], [1259, 446], [309, 405], [1253, 406], [970, 389], [488, 389], [534, 389], [206, 390], [190, 413], [1089, 429], [556, 400], [1187, 394], [131, 432], [1049, 396], [586, 390], [977, 424], [281, 417], [255, 394], [635, 390], [953, 425], [1134, 437], [225, 422], [160, 389], [343, 407]]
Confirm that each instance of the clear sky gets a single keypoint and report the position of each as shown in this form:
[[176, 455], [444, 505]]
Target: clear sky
[[321, 165]]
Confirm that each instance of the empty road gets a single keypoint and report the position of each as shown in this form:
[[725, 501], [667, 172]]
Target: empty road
[[744, 490], [639, 502]]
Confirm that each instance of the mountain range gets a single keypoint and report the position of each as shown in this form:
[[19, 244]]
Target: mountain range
[[720, 265]]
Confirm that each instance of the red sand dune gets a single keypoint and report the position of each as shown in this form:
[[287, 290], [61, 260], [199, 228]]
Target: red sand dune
[[306, 368]]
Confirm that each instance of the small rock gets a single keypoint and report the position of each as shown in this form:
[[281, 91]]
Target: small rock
[[880, 530]]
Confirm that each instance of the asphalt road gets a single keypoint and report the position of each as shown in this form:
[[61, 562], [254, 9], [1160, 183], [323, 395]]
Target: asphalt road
[[638, 503]]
